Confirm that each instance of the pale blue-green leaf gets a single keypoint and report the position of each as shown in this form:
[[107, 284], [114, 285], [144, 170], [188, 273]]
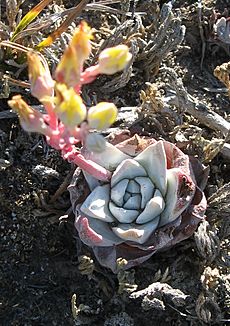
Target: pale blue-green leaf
[[136, 233], [118, 192], [153, 209], [146, 188], [153, 159], [134, 202], [128, 169], [96, 204], [123, 215]]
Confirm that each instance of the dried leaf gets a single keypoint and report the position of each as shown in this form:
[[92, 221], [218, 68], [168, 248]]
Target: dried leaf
[[207, 309], [29, 17], [207, 242], [63, 27]]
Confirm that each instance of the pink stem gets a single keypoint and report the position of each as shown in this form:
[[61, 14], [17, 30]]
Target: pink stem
[[87, 77], [77, 88], [90, 74], [88, 166], [53, 121]]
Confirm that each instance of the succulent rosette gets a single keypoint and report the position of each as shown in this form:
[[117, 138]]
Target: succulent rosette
[[153, 200]]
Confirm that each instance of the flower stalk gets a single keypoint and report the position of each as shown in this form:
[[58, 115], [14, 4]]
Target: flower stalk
[[92, 168], [67, 121]]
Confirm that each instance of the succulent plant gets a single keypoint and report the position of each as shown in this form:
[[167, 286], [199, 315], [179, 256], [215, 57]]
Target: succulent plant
[[153, 200], [146, 195]]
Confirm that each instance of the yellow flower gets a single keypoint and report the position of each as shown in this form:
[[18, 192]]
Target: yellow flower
[[69, 106], [68, 70], [31, 120], [102, 115], [70, 66], [114, 59], [40, 78], [81, 41]]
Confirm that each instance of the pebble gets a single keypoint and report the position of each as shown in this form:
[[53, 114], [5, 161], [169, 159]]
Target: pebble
[[42, 171]]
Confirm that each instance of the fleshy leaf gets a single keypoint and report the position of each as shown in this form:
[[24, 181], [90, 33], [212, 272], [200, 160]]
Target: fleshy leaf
[[222, 29], [95, 143], [126, 196], [133, 187], [136, 233], [92, 181], [146, 189], [180, 192], [134, 145], [94, 232], [153, 159], [123, 215], [118, 192], [133, 202], [110, 158], [176, 158], [128, 169], [96, 204], [185, 208], [153, 208], [107, 256]]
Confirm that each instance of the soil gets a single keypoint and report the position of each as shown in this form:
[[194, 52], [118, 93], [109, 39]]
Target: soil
[[41, 261]]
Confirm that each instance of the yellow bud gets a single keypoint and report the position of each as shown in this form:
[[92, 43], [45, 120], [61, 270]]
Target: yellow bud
[[35, 66], [114, 59], [40, 78], [81, 41], [31, 120], [70, 66], [68, 70], [102, 115], [69, 106]]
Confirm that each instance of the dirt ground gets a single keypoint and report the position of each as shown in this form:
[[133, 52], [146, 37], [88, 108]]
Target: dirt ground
[[40, 266]]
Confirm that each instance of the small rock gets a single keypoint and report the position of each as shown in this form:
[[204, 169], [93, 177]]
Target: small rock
[[157, 295], [42, 171]]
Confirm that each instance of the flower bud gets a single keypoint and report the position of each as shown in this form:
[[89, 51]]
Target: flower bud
[[102, 115], [69, 69], [69, 106], [70, 66], [31, 120], [114, 59], [40, 78], [81, 41]]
